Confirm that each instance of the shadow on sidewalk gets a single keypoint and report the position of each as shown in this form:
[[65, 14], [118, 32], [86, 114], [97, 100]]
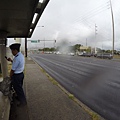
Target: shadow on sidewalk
[[18, 113]]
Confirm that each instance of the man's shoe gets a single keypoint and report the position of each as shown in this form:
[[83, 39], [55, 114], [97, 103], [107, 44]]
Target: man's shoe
[[16, 97], [21, 104]]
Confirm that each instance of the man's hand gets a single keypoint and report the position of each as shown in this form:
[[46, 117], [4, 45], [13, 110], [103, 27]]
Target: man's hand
[[9, 59]]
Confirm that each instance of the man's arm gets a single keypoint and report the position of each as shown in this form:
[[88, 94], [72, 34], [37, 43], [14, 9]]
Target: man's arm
[[8, 59], [11, 73]]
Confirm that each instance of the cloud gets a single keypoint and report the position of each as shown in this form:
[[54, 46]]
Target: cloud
[[75, 21]]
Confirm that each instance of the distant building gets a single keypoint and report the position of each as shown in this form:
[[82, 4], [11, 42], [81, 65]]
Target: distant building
[[85, 49], [89, 49], [96, 50]]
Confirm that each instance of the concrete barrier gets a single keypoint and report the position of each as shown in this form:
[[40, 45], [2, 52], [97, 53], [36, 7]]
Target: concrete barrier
[[4, 106], [0, 69]]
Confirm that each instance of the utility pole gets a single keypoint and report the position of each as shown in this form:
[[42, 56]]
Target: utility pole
[[113, 28], [54, 44], [102, 50], [86, 42], [95, 31], [95, 36]]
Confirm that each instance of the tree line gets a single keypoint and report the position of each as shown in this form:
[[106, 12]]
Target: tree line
[[75, 48]]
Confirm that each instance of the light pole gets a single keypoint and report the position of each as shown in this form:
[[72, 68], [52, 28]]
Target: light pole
[[102, 50], [54, 45], [95, 38], [113, 28], [86, 42]]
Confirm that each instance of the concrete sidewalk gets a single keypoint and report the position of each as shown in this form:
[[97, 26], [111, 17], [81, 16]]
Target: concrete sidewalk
[[47, 101]]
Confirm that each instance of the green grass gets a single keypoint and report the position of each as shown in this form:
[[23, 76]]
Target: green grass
[[52, 80], [117, 56], [95, 116], [71, 96], [43, 70]]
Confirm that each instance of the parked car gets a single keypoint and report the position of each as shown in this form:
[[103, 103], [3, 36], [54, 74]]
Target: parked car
[[58, 53], [80, 53], [104, 55], [85, 54], [71, 53]]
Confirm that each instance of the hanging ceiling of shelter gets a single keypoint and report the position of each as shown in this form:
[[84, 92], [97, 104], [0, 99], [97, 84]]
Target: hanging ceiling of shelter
[[16, 16]]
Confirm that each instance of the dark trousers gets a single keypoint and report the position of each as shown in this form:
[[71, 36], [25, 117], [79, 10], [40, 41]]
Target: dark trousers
[[17, 82]]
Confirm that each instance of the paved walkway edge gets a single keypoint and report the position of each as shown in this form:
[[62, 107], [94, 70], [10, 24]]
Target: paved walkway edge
[[4, 107], [93, 114]]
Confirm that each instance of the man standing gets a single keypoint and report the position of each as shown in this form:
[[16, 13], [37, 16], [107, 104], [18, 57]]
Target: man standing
[[16, 73]]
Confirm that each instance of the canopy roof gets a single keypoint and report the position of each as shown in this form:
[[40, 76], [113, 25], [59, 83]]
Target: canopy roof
[[16, 16]]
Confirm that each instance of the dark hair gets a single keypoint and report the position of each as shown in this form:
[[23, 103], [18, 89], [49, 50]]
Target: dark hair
[[18, 49], [15, 46]]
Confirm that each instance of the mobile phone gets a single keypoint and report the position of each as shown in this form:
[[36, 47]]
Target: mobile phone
[[6, 57]]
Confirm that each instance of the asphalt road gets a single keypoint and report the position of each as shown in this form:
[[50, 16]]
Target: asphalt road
[[95, 82]]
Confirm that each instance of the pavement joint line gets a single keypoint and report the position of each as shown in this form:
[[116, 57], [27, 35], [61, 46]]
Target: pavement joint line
[[93, 114]]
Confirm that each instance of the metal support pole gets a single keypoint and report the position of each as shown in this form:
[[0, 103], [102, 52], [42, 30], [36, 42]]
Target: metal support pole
[[55, 44], [113, 28], [25, 47], [95, 38], [3, 39]]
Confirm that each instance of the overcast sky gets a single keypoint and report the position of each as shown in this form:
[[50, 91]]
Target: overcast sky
[[74, 21]]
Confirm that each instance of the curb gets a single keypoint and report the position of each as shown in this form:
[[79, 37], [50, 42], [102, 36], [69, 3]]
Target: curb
[[93, 114]]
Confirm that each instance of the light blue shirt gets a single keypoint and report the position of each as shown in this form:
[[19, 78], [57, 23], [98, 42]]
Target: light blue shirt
[[18, 63]]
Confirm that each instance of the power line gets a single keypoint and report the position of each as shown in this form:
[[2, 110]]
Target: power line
[[91, 12], [91, 15]]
